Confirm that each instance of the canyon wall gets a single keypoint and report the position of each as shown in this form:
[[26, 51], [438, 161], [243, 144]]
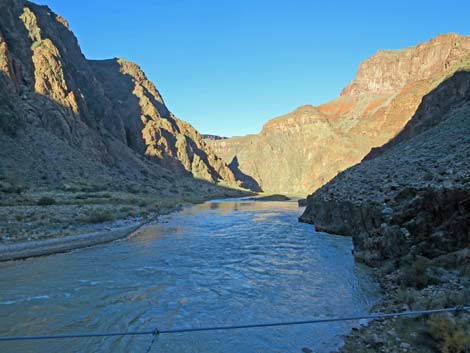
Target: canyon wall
[[411, 196], [299, 152], [66, 119]]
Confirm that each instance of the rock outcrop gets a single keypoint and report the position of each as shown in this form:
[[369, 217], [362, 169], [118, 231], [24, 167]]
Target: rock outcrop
[[213, 137], [407, 207], [299, 152], [411, 197], [66, 119]]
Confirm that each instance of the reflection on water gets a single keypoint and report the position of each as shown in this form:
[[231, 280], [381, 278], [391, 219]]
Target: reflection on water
[[219, 263]]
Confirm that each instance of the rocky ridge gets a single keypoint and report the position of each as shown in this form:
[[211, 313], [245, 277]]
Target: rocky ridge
[[407, 206], [404, 196], [84, 143], [299, 152], [103, 108]]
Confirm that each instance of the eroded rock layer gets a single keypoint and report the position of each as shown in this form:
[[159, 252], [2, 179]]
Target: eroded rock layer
[[301, 151], [412, 196], [66, 119]]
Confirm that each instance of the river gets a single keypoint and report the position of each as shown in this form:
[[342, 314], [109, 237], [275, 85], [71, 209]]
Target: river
[[219, 263]]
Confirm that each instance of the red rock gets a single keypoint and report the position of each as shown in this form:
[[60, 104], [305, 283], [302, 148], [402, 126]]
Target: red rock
[[299, 152]]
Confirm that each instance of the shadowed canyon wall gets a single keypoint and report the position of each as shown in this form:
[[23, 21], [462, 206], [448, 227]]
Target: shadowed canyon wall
[[66, 118], [412, 195]]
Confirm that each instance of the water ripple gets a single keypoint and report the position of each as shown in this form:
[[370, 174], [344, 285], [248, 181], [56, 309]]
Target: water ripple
[[219, 263]]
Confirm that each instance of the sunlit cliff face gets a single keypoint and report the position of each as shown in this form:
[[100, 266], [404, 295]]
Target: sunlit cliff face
[[299, 152]]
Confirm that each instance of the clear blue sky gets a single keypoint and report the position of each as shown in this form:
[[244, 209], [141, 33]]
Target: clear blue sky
[[229, 66]]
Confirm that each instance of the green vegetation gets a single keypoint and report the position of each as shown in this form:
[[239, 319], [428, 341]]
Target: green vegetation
[[8, 123], [275, 197], [448, 334], [406, 295], [99, 216], [83, 206], [417, 274], [36, 44], [46, 201], [428, 176], [10, 188]]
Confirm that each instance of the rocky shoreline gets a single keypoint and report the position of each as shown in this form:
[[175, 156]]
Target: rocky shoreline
[[409, 278], [416, 221], [437, 332]]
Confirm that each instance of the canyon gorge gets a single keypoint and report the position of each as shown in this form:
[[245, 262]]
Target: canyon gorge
[[89, 147]]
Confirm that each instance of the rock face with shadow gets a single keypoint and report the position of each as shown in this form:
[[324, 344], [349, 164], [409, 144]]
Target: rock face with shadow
[[299, 152], [410, 197], [66, 119]]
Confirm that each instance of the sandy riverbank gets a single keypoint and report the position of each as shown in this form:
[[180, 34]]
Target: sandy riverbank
[[57, 245], [78, 219]]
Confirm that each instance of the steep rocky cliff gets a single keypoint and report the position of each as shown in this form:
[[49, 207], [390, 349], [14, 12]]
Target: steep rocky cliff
[[66, 119], [407, 207], [301, 151], [412, 196]]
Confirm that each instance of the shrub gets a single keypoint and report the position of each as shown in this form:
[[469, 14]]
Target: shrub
[[188, 188], [449, 336], [428, 176], [46, 201], [99, 216], [455, 298], [9, 188], [81, 196], [9, 123], [37, 44], [406, 295], [416, 275], [132, 189]]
